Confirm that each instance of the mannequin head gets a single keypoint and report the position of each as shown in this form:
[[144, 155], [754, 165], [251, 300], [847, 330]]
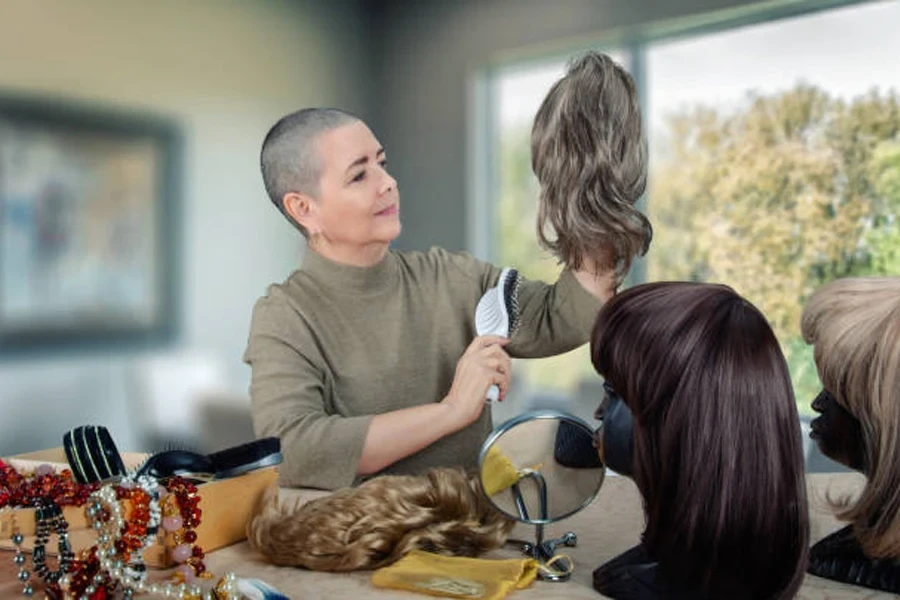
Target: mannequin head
[[854, 326], [615, 439], [717, 454], [837, 432]]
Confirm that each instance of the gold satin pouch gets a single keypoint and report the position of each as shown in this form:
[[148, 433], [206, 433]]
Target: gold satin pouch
[[456, 576]]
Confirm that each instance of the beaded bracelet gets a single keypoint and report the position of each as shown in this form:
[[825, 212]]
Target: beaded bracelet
[[50, 520], [181, 514]]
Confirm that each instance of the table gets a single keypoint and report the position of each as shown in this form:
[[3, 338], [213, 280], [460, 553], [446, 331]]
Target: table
[[611, 524]]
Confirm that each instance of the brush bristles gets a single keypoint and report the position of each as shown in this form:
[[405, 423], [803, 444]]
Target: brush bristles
[[511, 299]]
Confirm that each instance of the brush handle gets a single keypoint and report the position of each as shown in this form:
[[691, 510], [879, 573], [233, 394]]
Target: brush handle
[[493, 394]]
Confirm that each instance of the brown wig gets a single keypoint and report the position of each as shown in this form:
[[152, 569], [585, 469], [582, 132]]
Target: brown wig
[[717, 449], [854, 324], [377, 523], [590, 157]]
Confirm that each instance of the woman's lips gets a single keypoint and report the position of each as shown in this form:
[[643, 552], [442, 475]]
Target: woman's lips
[[390, 210]]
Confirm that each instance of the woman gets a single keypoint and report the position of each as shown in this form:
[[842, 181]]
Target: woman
[[700, 413], [854, 326], [366, 360]]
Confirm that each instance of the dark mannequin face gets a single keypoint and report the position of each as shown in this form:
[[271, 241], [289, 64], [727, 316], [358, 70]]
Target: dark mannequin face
[[615, 437], [837, 432]]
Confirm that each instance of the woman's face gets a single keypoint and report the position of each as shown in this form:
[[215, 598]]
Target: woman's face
[[615, 436], [837, 432], [358, 203]]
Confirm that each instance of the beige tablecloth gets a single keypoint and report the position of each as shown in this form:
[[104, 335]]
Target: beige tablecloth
[[609, 526]]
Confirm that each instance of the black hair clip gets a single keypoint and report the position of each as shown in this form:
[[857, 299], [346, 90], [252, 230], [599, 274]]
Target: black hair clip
[[92, 454]]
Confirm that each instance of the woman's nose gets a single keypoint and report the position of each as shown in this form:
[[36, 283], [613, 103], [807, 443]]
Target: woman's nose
[[388, 183]]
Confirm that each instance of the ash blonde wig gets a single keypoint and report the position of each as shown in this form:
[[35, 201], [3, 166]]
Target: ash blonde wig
[[377, 523], [590, 157], [854, 325]]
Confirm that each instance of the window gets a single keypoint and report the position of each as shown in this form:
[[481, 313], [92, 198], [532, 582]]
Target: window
[[774, 157], [775, 167]]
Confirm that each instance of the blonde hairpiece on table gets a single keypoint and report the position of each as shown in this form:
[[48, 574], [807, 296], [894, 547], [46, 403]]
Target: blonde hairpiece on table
[[379, 522]]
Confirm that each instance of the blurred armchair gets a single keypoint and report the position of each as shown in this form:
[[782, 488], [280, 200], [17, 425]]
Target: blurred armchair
[[184, 401]]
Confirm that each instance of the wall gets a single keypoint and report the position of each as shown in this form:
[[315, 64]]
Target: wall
[[225, 70], [428, 53]]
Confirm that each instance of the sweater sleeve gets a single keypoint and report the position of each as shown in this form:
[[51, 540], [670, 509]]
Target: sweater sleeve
[[288, 392], [553, 318]]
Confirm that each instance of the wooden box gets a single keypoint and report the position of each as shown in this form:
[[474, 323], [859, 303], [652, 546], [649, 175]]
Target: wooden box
[[227, 506]]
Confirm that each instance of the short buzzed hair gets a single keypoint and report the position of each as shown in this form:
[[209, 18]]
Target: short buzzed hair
[[289, 159]]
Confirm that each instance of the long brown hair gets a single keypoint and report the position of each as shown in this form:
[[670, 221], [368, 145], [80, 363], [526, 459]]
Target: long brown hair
[[854, 324], [380, 521], [717, 450], [589, 155]]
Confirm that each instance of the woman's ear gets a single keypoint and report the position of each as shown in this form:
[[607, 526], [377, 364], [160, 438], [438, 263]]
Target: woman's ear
[[302, 208]]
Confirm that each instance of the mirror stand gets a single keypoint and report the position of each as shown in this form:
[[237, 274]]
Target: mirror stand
[[553, 567], [539, 468]]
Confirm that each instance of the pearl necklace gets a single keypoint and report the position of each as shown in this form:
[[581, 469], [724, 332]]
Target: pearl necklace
[[125, 568]]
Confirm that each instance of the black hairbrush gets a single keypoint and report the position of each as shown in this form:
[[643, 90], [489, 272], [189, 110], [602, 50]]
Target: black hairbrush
[[230, 462], [237, 460]]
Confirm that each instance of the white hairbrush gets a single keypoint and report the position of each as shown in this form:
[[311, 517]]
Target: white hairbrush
[[497, 312]]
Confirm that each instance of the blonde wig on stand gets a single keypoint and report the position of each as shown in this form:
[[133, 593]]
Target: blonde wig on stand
[[854, 326], [377, 523]]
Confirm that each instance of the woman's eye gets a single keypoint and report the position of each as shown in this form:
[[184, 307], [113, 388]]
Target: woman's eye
[[359, 176], [383, 163]]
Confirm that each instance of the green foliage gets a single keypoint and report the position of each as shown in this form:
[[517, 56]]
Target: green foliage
[[806, 382], [884, 237], [779, 196]]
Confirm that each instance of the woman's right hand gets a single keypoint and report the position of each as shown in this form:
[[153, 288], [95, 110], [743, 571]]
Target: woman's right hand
[[483, 364]]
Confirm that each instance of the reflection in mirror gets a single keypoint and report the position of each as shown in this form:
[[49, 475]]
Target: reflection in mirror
[[541, 467]]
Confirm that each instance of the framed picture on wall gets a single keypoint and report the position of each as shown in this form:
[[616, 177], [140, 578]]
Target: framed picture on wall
[[87, 229]]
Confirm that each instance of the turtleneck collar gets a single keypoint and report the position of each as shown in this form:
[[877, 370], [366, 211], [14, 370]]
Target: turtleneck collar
[[378, 277]]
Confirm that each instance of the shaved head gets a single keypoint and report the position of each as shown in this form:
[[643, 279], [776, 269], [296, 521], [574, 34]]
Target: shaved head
[[290, 160]]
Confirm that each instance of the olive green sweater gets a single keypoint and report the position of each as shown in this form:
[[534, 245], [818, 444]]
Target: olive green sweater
[[335, 344]]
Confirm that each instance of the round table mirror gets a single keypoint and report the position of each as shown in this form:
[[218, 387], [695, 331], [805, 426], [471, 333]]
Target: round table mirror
[[538, 468]]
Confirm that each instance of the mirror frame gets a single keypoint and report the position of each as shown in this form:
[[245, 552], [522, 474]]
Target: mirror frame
[[535, 415]]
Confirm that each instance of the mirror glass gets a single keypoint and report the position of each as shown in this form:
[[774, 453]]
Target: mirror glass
[[541, 466]]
